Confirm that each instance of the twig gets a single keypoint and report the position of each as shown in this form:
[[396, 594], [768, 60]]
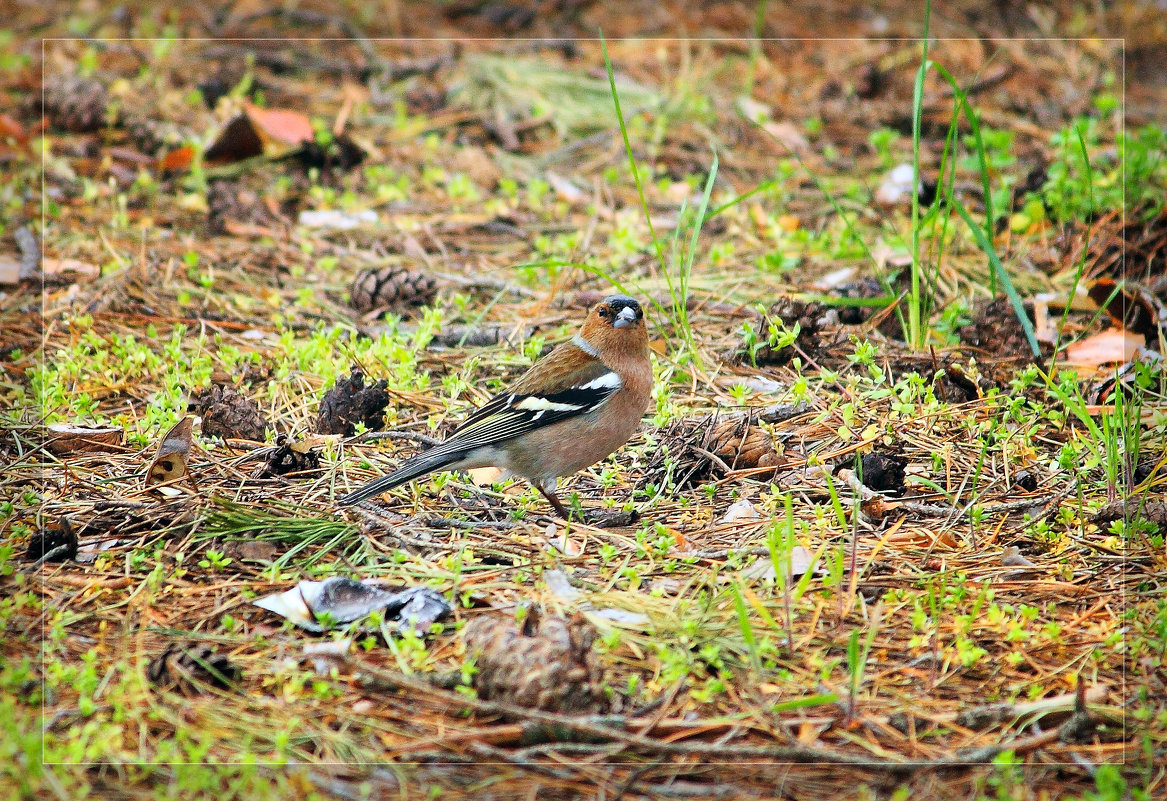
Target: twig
[[408, 436], [713, 457], [865, 493], [612, 730], [376, 521], [486, 282]]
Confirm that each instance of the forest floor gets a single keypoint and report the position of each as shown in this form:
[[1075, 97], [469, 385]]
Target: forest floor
[[893, 525]]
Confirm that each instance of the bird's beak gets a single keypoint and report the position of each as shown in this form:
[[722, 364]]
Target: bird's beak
[[625, 318]]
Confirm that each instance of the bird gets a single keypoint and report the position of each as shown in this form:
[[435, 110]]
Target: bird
[[572, 408]]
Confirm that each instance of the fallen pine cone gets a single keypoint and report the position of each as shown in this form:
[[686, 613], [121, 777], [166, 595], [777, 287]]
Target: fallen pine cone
[[546, 663], [184, 666], [740, 443], [288, 456], [391, 287], [703, 447], [228, 414], [53, 543], [350, 402], [74, 104]]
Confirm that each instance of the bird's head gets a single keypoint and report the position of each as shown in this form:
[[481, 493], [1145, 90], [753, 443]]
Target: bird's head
[[616, 325], [619, 311]]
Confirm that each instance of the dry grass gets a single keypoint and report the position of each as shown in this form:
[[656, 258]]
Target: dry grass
[[979, 636]]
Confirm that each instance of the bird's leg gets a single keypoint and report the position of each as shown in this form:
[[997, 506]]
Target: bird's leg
[[550, 495]]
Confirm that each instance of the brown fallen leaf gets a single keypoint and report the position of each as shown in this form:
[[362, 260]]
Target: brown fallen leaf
[[66, 438], [173, 453], [280, 125], [1130, 306], [81, 269], [11, 129], [789, 135], [263, 131], [237, 141], [9, 271], [485, 476], [1113, 346], [177, 160]]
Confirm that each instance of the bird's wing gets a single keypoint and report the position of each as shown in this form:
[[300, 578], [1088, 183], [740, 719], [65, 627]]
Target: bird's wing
[[514, 413]]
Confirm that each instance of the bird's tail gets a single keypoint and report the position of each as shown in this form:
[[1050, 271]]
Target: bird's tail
[[425, 462]]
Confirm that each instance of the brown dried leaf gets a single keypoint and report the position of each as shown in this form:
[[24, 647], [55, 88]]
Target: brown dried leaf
[[173, 454], [237, 141], [280, 125], [68, 438], [1113, 346], [9, 271], [80, 269], [177, 160]]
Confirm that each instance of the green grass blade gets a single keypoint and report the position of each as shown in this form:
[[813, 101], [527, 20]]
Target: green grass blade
[[915, 332], [990, 252], [660, 254]]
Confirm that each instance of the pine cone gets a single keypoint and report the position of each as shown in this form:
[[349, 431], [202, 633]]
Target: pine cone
[[59, 539], [741, 444], [350, 402], [694, 449], [809, 316], [391, 287], [228, 414], [183, 666], [75, 104], [150, 135], [547, 664], [222, 205]]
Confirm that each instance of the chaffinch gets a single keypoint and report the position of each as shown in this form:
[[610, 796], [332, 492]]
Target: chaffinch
[[570, 410]]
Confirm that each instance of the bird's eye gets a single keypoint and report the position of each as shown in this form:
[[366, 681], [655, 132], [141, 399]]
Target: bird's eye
[[603, 311]]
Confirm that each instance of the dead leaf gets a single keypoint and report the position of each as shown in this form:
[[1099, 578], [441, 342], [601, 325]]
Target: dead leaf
[[237, 141], [752, 110], [484, 476], [788, 135], [759, 218], [478, 165], [561, 541], [11, 129], [1129, 306], [342, 117], [177, 160], [258, 131], [788, 222], [280, 125], [68, 438], [1113, 346], [565, 189], [174, 452], [741, 510], [81, 269], [836, 278], [9, 271]]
